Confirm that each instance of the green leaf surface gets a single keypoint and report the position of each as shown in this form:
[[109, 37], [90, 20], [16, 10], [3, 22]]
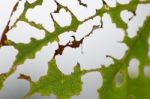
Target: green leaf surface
[[63, 86], [137, 88]]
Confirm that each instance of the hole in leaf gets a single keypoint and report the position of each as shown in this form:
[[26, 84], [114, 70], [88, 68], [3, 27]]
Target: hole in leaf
[[40, 14], [118, 79], [63, 18], [126, 15], [137, 21], [147, 71], [24, 32], [133, 69]]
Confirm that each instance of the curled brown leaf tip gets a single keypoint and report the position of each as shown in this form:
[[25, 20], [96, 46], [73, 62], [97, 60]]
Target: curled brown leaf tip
[[4, 37], [104, 3], [24, 77], [59, 51]]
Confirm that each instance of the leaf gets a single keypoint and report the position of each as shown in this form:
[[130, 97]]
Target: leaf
[[27, 51], [63, 86], [115, 12], [137, 88]]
